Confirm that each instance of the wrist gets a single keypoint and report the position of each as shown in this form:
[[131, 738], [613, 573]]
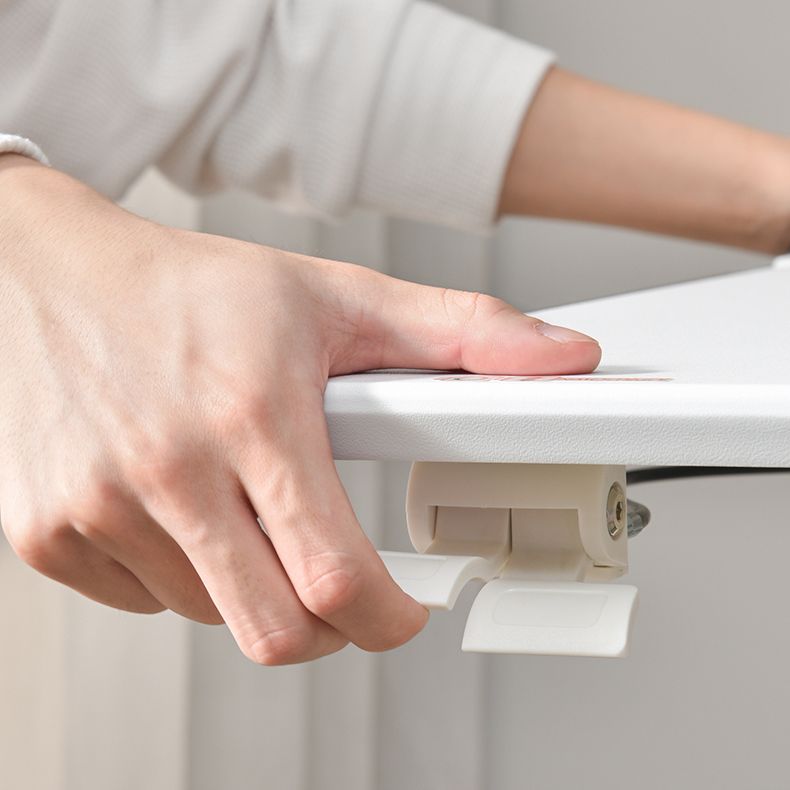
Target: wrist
[[29, 189], [55, 224]]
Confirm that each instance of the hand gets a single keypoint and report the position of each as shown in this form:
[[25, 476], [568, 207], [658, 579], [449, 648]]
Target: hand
[[162, 388]]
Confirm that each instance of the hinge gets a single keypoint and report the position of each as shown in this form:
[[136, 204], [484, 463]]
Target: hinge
[[545, 538]]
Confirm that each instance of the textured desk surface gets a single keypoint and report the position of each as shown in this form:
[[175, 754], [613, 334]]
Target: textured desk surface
[[696, 374]]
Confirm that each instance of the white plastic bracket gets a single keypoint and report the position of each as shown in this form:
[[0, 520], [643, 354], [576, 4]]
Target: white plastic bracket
[[545, 538]]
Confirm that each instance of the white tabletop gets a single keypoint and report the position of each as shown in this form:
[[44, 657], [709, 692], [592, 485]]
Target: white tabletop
[[693, 374]]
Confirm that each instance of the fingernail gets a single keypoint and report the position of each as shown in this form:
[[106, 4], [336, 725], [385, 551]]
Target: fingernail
[[561, 334]]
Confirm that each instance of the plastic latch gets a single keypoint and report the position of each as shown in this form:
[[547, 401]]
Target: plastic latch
[[465, 544], [555, 618], [543, 537], [435, 580]]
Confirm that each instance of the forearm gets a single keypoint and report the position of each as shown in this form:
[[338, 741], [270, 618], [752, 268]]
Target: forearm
[[593, 153]]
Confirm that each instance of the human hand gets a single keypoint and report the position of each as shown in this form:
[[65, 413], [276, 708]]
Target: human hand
[[162, 388]]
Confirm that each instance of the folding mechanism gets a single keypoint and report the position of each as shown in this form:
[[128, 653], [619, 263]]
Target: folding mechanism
[[546, 539]]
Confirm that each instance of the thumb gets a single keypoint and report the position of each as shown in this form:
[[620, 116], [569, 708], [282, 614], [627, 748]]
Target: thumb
[[410, 325]]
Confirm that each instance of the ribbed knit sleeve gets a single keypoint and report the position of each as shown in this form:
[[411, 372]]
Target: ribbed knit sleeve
[[452, 102], [319, 105]]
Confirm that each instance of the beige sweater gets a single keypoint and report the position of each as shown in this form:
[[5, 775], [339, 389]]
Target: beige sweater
[[320, 105]]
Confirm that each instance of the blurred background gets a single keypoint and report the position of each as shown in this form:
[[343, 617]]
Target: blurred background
[[95, 699]]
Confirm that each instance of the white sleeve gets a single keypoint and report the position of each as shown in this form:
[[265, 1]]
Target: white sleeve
[[320, 105], [13, 144]]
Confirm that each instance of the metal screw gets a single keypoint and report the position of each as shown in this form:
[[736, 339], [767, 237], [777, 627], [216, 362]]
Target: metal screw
[[616, 511]]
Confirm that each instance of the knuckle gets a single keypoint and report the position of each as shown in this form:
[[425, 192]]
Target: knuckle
[[196, 534], [468, 305], [36, 541], [332, 584], [468, 310], [165, 470], [96, 502], [163, 466], [484, 307], [279, 646], [250, 414]]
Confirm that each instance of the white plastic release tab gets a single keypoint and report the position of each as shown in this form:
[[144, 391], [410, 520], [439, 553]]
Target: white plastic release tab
[[543, 537], [435, 580], [556, 618]]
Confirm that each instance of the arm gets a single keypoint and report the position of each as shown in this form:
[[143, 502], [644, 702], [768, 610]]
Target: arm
[[319, 105], [430, 108], [593, 153]]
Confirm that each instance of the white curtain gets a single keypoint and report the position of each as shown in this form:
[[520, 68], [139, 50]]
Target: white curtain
[[92, 699]]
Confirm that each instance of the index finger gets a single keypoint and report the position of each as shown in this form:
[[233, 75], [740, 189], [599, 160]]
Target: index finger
[[291, 480]]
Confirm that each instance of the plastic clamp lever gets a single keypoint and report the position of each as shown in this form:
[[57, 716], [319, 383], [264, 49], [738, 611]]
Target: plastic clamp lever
[[543, 537]]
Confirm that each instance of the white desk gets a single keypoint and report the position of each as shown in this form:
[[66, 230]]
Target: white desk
[[692, 374], [695, 374]]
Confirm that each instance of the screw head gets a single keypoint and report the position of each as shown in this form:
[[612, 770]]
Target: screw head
[[616, 511]]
